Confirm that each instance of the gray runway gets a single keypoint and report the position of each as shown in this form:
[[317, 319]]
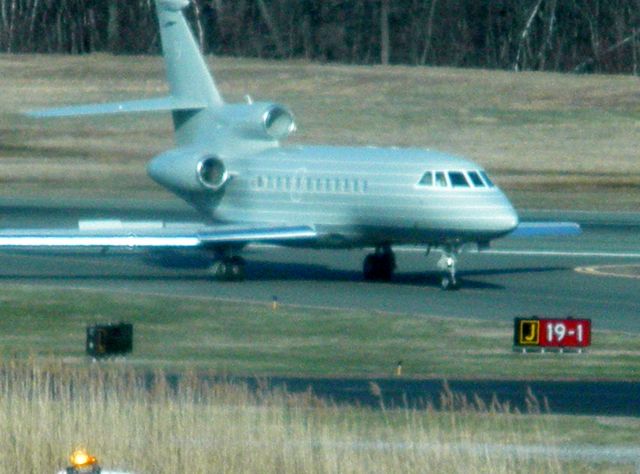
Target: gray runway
[[499, 285]]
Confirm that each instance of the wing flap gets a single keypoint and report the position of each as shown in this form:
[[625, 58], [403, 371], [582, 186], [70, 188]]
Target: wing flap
[[153, 238], [546, 229], [161, 104]]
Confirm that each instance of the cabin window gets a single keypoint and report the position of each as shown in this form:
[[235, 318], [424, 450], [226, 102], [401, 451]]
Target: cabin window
[[458, 179], [260, 182], [486, 179], [441, 179], [365, 186], [319, 187], [347, 185], [475, 179], [328, 185], [298, 183], [338, 185], [427, 179], [356, 186]]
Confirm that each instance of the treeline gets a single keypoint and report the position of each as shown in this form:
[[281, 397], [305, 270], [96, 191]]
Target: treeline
[[559, 35]]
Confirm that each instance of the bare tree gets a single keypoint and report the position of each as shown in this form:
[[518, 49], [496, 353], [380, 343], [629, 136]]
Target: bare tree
[[11, 23], [549, 31], [428, 32], [384, 31], [524, 36], [198, 24], [518, 34], [273, 27], [628, 40]]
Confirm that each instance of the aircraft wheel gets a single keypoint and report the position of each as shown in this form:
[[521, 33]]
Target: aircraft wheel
[[449, 283], [235, 269], [219, 270], [387, 264], [369, 268], [378, 267], [228, 269]]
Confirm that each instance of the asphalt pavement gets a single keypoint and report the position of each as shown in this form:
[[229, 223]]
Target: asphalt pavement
[[546, 277]]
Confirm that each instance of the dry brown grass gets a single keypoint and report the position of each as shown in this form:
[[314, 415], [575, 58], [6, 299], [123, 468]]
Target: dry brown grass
[[548, 138], [131, 422]]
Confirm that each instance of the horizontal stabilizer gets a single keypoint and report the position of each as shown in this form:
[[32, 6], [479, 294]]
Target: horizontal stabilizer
[[546, 229], [150, 237], [161, 104]]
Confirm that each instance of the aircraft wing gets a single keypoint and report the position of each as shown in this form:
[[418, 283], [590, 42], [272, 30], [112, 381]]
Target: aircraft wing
[[153, 237], [162, 104], [546, 229]]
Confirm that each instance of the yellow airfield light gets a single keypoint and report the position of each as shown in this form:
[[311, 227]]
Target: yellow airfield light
[[80, 458]]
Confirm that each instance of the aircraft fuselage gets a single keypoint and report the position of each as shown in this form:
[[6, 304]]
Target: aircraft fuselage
[[358, 197]]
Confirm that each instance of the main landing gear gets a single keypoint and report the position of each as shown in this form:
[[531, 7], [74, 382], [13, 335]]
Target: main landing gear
[[228, 269], [379, 266]]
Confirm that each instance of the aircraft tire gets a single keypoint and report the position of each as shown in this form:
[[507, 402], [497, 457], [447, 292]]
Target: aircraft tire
[[448, 283], [235, 269], [387, 264], [369, 268], [219, 270], [228, 269], [377, 267]]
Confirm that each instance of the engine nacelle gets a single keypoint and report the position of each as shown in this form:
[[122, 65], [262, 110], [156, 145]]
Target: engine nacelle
[[260, 120], [211, 172], [188, 170]]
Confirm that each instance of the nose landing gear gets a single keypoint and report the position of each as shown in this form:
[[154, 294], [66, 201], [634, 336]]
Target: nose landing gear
[[379, 266], [447, 264]]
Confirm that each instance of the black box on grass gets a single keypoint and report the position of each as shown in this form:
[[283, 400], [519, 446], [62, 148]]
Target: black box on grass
[[105, 340]]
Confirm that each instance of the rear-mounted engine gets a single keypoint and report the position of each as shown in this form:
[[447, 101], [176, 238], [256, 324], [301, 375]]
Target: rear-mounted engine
[[259, 120], [278, 122], [212, 173], [188, 171]]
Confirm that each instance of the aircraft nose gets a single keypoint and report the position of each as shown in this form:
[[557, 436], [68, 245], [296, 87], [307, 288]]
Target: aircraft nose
[[508, 218], [501, 220]]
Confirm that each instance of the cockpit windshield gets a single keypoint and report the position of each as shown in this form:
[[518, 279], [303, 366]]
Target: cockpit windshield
[[458, 179], [476, 179], [427, 179], [455, 179], [486, 179], [441, 180]]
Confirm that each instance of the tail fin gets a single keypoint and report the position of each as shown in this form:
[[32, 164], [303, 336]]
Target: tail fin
[[187, 72], [190, 83]]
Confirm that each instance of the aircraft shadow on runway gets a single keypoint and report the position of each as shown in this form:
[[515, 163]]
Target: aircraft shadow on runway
[[193, 268], [303, 271]]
